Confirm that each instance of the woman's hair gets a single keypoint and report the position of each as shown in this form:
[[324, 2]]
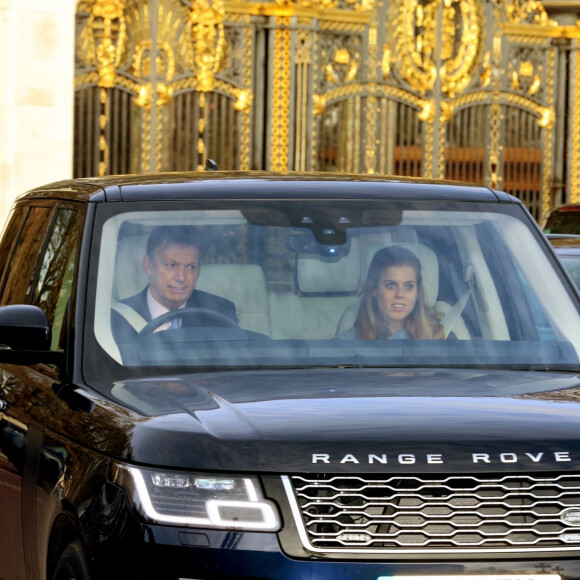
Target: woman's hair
[[420, 323]]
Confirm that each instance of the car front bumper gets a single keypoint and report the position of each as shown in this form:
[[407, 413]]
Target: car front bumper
[[177, 553]]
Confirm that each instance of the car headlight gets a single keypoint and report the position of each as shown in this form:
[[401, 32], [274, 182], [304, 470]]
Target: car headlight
[[201, 500]]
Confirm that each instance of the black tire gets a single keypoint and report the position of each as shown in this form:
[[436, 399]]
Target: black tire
[[71, 564]]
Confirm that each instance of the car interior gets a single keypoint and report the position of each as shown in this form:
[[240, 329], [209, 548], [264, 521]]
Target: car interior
[[288, 286], [324, 304]]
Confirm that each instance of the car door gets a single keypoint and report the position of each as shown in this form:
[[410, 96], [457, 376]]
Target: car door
[[25, 231], [40, 271]]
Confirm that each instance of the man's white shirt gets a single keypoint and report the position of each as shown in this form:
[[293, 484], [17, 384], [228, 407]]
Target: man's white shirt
[[156, 309]]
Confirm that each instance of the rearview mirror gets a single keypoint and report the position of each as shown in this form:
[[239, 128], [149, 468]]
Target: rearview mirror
[[307, 243]]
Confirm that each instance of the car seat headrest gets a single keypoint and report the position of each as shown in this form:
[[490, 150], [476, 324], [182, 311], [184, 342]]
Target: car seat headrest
[[130, 278], [317, 274]]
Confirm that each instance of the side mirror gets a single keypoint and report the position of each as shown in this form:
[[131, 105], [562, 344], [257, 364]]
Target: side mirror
[[24, 327]]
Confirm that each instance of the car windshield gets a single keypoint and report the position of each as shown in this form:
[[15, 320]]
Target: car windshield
[[294, 284], [563, 221]]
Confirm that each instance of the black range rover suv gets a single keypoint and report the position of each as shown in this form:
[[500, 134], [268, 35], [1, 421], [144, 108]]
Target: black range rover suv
[[293, 420]]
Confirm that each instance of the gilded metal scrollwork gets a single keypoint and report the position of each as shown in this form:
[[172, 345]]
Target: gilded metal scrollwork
[[308, 3], [343, 67], [340, 59], [460, 44], [164, 60], [485, 74], [319, 104], [526, 79], [281, 95], [548, 117], [386, 62], [415, 54], [244, 100], [207, 32], [427, 113], [327, 4], [528, 12], [102, 45], [106, 35], [575, 168], [413, 32], [165, 69]]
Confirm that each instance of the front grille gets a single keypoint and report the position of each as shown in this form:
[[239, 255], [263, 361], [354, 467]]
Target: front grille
[[397, 514]]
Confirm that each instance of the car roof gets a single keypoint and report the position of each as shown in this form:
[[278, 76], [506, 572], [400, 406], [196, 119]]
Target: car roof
[[565, 243], [569, 207], [261, 185]]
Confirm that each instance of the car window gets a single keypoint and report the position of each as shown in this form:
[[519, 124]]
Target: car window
[[55, 277], [10, 236], [20, 275], [281, 284], [563, 221], [572, 264]]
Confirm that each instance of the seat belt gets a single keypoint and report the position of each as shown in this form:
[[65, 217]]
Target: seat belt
[[130, 315], [453, 314]]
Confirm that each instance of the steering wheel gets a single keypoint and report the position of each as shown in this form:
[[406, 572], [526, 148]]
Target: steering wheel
[[184, 313]]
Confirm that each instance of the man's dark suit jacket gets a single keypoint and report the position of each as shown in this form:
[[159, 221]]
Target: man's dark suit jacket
[[123, 332]]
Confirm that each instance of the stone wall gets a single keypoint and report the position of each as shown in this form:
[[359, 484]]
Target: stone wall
[[36, 100]]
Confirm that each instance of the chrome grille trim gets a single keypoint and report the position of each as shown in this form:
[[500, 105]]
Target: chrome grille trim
[[465, 514]]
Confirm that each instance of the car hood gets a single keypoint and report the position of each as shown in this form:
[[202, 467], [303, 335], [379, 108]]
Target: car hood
[[345, 420]]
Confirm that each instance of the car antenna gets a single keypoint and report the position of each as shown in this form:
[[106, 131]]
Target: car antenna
[[211, 165]]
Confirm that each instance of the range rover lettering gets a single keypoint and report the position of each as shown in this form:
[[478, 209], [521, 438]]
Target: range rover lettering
[[221, 375]]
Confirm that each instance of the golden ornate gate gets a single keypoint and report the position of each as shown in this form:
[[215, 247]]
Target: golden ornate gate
[[162, 84], [459, 89]]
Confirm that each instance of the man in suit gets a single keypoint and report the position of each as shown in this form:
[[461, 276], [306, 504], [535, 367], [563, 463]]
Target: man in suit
[[172, 262]]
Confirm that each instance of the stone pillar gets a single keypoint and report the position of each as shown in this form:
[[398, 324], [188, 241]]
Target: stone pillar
[[36, 97]]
